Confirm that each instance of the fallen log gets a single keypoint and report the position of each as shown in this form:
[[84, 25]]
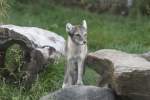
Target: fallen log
[[146, 55], [40, 46]]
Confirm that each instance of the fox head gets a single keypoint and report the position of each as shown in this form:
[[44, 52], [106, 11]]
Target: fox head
[[78, 33]]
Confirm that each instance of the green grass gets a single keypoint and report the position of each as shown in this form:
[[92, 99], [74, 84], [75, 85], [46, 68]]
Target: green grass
[[104, 31], [130, 34]]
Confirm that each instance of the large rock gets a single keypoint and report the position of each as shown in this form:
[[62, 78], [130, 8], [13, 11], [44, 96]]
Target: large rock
[[128, 74], [40, 46], [81, 93]]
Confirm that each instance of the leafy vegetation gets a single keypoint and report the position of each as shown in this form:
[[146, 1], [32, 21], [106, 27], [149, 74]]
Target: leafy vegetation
[[141, 7], [13, 66], [130, 34], [3, 9]]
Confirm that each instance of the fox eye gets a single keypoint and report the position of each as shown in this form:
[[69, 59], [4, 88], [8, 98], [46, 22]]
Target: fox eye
[[78, 35]]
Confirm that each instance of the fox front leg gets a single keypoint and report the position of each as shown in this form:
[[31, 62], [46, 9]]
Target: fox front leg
[[69, 74], [80, 72], [67, 77]]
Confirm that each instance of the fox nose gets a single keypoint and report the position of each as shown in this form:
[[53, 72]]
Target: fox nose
[[84, 42]]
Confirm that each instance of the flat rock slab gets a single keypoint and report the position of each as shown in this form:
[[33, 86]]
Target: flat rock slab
[[81, 93], [131, 72]]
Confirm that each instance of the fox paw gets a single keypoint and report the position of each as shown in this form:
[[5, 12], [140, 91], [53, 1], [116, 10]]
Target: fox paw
[[79, 83]]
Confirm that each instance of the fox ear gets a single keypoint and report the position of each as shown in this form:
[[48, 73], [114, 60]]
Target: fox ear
[[84, 24], [69, 27]]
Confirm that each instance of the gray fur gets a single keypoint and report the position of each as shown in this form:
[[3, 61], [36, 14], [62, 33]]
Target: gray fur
[[76, 51]]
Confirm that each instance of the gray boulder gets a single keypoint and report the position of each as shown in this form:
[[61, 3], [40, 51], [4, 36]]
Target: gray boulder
[[81, 93], [128, 74]]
